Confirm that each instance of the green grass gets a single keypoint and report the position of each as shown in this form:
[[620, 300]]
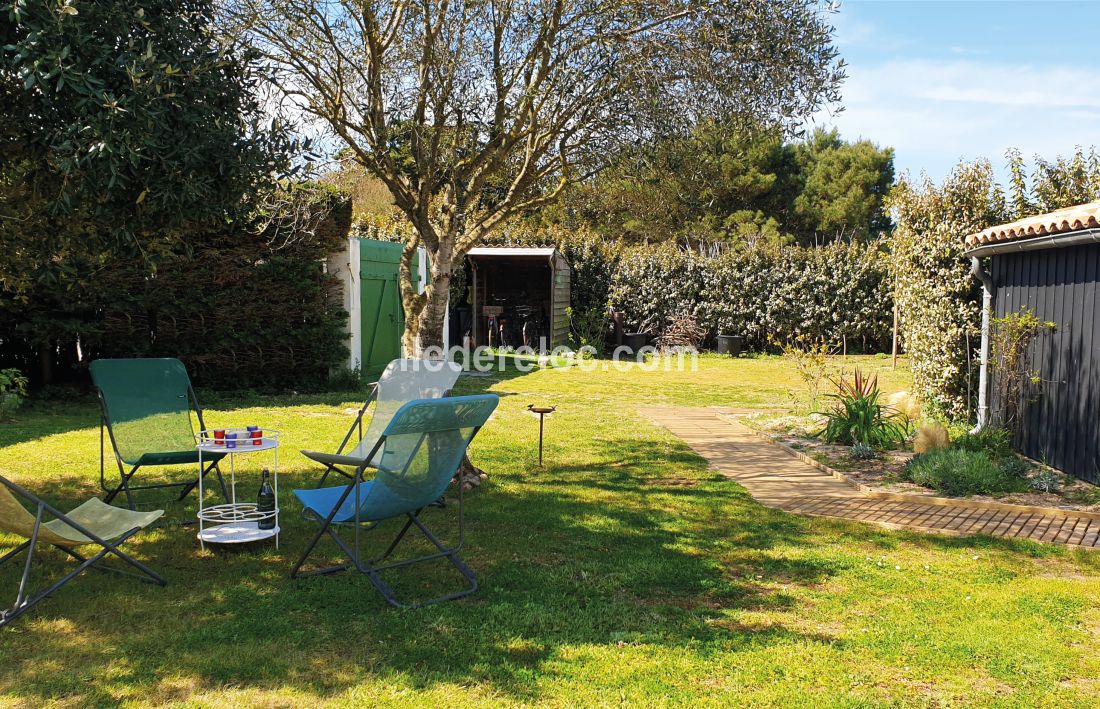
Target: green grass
[[624, 572]]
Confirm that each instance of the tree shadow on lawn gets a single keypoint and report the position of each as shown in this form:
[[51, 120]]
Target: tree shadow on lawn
[[642, 547], [76, 408], [557, 570], [39, 419]]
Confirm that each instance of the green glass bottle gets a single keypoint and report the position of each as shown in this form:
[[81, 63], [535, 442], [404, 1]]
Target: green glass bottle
[[265, 501]]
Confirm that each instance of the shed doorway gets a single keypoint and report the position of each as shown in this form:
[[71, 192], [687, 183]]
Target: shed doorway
[[519, 297]]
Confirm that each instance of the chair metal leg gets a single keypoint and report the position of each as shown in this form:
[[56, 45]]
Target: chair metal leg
[[123, 486], [14, 552], [356, 425], [372, 570], [149, 577], [296, 572], [187, 487], [30, 557], [333, 469], [394, 543], [24, 603], [326, 525]]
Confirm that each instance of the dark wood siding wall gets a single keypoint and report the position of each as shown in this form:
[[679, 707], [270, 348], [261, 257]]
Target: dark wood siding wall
[[1059, 415]]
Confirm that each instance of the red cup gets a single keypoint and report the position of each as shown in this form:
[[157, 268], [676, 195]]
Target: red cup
[[257, 437], [219, 436]]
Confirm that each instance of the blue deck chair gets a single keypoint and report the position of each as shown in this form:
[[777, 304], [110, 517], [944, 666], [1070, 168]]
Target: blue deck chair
[[402, 381], [416, 457], [146, 412]]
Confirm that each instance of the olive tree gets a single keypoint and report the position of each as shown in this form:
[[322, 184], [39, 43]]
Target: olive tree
[[472, 112]]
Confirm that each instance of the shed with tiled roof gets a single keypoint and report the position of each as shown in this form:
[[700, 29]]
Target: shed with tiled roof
[[1048, 264]]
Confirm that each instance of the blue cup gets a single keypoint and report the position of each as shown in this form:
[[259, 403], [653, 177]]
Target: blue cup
[[231, 439]]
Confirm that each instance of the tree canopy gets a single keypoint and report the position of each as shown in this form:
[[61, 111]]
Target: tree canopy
[[126, 125], [724, 183], [473, 112]]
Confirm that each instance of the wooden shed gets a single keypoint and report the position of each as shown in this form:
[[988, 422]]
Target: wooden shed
[[519, 296], [1049, 264]]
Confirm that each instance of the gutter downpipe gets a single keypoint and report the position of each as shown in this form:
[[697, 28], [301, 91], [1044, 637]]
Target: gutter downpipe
[[978, 272]]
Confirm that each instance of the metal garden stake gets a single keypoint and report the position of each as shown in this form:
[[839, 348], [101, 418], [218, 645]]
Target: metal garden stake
[[541, 411]]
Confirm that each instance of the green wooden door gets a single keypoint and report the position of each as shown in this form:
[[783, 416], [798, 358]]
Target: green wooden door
[[380, 305]]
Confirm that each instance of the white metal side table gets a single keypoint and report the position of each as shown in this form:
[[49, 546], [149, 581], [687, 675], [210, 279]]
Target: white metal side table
[[237, 522]]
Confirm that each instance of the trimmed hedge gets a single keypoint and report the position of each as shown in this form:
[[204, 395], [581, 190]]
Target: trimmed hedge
[[243, 308], [837, 292], [238, 314]]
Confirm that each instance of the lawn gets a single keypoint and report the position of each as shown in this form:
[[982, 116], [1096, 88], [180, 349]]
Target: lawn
[[624, 572]]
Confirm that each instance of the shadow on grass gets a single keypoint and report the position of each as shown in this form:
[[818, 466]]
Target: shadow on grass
[[638, 547], [557, 565], [75, 408], [38, 419]]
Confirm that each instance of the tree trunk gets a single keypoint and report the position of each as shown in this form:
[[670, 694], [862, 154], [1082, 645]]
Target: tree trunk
[[45, 363], [424, 317], [430, 330]]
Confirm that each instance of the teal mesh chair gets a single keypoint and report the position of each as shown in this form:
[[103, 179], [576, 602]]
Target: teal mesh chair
[[416, 457], [402, 381], [146, 412]]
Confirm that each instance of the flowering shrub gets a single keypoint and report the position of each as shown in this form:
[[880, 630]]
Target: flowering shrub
[[939, 302], [654, 283], [836, 292]]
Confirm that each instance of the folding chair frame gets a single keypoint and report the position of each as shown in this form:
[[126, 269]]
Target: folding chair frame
[[356, 425], [124, 475], [370, 567], [24, 600]]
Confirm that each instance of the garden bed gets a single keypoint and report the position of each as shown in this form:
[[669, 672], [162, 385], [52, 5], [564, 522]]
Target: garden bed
[[885, 473]]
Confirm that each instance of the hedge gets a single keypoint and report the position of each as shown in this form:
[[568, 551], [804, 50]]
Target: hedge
[[939, 302], [243, 308], [840, 292]]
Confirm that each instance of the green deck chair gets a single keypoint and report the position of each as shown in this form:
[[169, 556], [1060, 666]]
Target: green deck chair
[[92, 523], [417, 456], [146, 412]]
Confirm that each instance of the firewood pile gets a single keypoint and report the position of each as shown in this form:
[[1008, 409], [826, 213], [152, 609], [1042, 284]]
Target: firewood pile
[[682, 332]]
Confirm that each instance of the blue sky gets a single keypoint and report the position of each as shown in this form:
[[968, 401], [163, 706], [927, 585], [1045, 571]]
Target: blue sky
[[950, 80]]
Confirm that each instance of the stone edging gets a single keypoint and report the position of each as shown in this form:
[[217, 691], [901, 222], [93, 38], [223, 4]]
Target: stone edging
[[922, 499]]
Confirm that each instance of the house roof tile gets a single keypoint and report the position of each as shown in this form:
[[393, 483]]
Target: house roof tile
[[1081, 216]]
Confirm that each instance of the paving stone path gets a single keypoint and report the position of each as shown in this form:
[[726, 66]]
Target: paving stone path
[[777, 479]]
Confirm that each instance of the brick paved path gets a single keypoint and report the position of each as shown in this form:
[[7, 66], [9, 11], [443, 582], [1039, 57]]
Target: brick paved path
[[777, 479]]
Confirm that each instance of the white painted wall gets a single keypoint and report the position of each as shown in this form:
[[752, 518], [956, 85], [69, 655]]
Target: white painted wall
[[344, 265]]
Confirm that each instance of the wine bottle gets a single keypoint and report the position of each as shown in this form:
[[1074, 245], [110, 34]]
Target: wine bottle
[[265, 501]]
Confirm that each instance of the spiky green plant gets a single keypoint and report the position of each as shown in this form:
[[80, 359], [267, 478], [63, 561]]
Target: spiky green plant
[[857, 415]]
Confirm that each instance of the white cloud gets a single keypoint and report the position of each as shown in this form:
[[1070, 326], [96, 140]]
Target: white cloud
[[936, 112]]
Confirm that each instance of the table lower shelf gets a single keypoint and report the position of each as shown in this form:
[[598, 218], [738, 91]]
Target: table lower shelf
[[236, 533]]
